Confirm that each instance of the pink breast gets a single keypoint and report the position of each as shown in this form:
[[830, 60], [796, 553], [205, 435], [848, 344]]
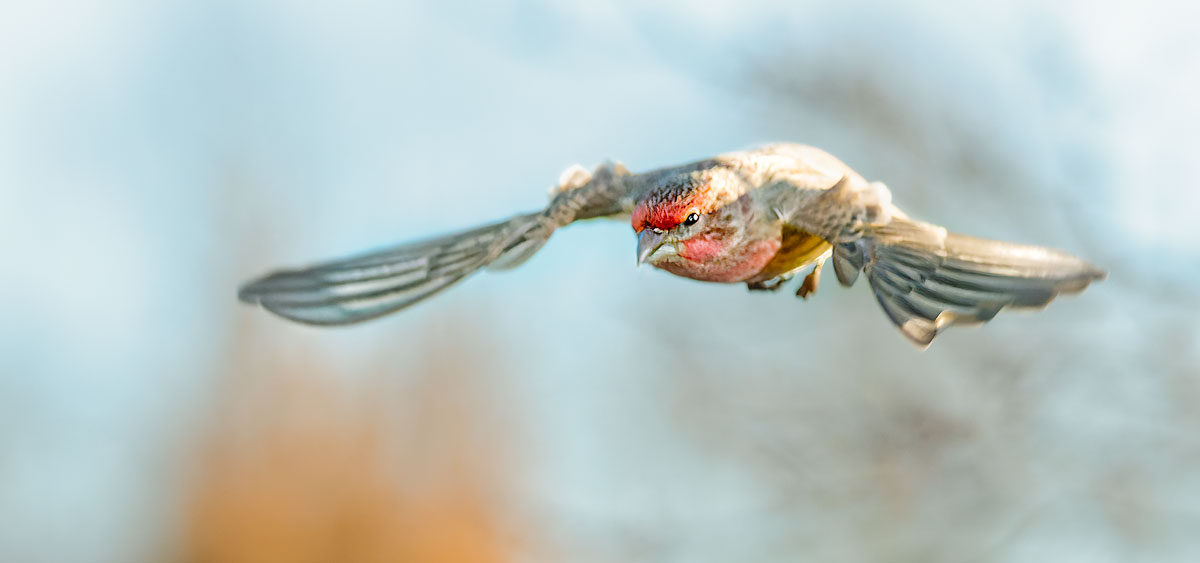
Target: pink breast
[[703, 260]]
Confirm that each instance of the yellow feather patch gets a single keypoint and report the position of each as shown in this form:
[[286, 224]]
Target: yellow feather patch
[[797, 250]]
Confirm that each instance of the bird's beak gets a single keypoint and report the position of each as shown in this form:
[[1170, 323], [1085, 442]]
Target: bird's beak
[[648, 242]]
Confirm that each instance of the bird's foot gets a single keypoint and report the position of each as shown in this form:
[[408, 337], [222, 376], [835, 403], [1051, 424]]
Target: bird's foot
[[772, 284], [811, 281]]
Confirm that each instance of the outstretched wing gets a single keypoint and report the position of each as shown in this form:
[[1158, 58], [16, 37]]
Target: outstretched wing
[[375, 284], [371, 285], [925, 278]]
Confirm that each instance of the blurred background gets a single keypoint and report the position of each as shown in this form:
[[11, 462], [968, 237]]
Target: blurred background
[[154, 155]]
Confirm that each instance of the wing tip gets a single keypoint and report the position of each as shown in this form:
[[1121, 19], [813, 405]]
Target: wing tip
[[248, 294]]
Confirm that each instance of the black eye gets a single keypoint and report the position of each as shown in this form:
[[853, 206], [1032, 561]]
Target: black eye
[[691, 219]]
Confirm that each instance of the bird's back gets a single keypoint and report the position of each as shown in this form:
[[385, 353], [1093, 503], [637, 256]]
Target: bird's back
[[803, 166]]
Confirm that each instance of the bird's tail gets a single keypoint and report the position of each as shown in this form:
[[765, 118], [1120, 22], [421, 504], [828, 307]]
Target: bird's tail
[[927, 279], [371, 285]]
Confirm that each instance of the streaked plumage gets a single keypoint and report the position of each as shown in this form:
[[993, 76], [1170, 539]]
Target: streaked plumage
[[758, 217]]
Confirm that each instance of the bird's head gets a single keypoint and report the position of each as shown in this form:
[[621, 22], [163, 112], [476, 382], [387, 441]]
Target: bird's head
[[685, 220]]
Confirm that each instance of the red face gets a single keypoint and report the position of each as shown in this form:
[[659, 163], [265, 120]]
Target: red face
[[666, 210], [684, 230]]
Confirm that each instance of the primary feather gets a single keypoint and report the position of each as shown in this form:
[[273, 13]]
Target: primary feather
[[927, 279], [375, 284]]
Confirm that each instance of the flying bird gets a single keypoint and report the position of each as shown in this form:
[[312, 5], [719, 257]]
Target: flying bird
[[758, 217]]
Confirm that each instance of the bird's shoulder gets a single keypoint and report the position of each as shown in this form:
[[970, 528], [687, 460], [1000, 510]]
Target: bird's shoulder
[[789, 164]]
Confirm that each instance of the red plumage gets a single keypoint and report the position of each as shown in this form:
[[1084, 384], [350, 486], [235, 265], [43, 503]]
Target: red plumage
[[667, 208]]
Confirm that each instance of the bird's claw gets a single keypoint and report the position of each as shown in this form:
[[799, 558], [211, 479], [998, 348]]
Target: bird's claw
[[811, 281], [772, 284]]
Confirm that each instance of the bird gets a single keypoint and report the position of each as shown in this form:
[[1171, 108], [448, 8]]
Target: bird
[[758, 217]]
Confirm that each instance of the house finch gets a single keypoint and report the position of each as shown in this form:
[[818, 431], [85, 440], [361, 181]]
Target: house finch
[[757, 217]]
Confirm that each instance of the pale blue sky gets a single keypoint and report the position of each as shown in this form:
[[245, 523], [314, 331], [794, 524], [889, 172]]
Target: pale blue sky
[[155, 154]]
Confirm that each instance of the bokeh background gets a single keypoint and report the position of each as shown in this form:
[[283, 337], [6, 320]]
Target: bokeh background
[[153, 155]]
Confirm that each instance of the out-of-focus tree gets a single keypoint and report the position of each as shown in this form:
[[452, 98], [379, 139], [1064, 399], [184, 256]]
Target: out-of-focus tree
[[298, 464]]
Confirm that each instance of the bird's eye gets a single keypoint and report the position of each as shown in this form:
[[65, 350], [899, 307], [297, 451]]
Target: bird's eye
[[692, 219]]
